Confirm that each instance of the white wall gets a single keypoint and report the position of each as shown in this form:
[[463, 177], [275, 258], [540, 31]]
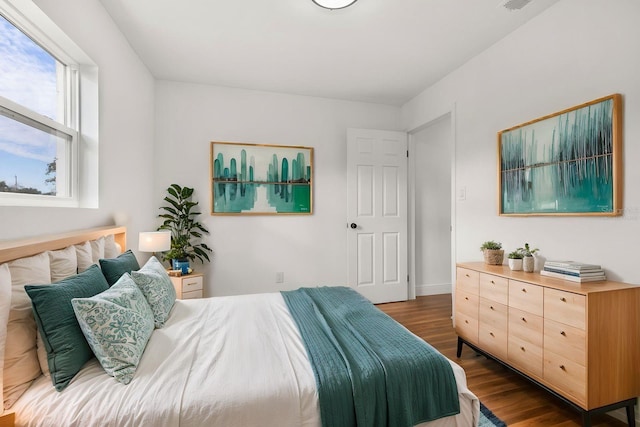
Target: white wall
[[574, 52], [249, 250], [126, 107], [433, 207]]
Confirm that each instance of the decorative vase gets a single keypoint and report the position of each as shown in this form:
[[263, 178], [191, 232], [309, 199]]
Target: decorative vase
[[515, 264], [528, 263], [493, 256]]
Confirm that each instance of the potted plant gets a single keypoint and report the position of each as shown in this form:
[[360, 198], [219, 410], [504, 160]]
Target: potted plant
[[493, 253], [528, 262], [180, 218], [515, 260]]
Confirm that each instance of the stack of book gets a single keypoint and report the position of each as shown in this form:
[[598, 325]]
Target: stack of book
[[573, 271]]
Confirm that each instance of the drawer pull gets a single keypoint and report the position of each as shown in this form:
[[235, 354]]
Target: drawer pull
[[524, 320], [467, 298], [491, 307], [563, 333], [493, 282], [563, 299], [467, 275], [522, 348], [491, 333], [466, 321], [524, 290], [563, 368]]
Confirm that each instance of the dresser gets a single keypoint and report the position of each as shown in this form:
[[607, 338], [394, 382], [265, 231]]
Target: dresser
[[578, 341], [188, 286]]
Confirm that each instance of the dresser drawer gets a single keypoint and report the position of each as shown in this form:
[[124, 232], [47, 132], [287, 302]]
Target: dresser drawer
[[566, 376], [467, 303], [493, 340], [493, 314], [525, 356], [467, 327], [494, 288], [525, 296], [565, 307], [467, 280], [566, 340], [526, 326]]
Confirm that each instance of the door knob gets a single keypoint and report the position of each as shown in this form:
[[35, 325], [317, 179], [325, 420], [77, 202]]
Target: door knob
[[353, 225]]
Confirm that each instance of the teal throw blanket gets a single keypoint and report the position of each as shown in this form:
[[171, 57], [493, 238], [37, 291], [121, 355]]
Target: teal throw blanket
[[370, 371]]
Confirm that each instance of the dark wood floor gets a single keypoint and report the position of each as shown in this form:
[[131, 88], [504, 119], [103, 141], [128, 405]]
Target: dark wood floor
[[514, 399]]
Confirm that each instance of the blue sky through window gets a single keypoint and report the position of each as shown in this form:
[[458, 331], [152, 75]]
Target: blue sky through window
[[27, 77]]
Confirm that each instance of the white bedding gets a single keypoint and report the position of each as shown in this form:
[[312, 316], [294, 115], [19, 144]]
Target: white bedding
[[227, 361]]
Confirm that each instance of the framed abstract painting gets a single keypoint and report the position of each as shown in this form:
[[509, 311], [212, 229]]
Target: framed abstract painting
[[566, 163], [253, 179]]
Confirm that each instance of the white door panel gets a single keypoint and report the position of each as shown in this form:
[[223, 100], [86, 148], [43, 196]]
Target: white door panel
[[377, 205]]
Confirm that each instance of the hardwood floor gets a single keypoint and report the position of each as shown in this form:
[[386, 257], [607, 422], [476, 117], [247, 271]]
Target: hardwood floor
[[514, 399]]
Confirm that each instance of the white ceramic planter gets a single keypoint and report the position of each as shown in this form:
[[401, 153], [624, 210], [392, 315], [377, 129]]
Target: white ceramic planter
[[515, 264]]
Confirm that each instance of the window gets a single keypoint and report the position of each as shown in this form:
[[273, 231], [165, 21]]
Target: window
[[41, 161]]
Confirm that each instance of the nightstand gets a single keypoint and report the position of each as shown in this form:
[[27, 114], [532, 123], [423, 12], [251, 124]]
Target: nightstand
[[188, 286], [7, 420]]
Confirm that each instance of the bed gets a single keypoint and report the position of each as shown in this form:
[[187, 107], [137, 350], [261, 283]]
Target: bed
[[222, 361]]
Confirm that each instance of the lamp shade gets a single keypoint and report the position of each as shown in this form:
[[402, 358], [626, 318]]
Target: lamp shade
[[334, 4], [154, 241]]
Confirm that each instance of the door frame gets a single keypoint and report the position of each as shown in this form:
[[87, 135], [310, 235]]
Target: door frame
[[411, 196]]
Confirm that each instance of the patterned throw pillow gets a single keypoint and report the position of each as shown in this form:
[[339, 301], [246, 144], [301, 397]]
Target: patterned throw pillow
[[154, 282], [117, 324]]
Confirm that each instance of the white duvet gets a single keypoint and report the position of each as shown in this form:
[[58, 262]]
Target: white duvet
[[228, 361]]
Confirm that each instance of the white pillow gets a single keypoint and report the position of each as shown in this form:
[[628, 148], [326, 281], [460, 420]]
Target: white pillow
[[64, 263], [97, 249], [111, 248], [83, 253], [21, 365], [5, 306]]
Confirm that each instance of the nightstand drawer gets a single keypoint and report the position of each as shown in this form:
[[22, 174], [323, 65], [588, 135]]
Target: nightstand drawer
[[192, 295], [190, 284]]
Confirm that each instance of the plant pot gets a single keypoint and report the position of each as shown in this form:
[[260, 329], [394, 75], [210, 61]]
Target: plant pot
[[515, 264], [528, 263], [180, 264], [493, 256]]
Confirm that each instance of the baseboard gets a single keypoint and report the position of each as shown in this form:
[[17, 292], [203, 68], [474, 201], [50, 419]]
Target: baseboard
[[433, 289]]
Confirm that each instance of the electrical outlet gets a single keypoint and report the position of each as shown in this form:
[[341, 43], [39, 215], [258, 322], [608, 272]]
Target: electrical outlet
[[280, 277]]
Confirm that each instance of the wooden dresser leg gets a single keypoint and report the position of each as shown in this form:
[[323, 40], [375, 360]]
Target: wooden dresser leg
[[459, 352], [631, 415]]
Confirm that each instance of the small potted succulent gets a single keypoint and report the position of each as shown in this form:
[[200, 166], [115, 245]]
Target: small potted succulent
[[493, 253], [528, 262], [515, 260]]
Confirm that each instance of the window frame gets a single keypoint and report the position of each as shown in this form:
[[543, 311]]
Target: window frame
[[29, 19]]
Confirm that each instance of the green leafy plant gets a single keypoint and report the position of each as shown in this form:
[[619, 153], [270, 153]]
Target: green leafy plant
[[517, 254], [490, 244], [527, 251], [180, 218]]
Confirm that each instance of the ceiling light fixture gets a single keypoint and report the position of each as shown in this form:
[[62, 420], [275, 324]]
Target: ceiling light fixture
[[334, 4]]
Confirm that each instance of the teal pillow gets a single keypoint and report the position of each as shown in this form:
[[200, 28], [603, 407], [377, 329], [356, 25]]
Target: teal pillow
[[154, 282], [117, 324], [113, 268], [67, 348]]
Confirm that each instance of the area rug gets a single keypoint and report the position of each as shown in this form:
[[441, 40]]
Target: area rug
[[488, 418]]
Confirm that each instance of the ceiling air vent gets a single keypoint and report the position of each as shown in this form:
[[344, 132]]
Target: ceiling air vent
[[515, 4]]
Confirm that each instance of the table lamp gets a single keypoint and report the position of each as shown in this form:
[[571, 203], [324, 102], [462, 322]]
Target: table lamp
[[154, 241]]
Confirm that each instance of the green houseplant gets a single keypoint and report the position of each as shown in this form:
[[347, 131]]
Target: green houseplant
[[493, 252], [515, 260], [180, 218], [528, 262]]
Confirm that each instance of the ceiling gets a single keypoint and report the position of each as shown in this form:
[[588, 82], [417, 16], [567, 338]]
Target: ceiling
[[381, 51]]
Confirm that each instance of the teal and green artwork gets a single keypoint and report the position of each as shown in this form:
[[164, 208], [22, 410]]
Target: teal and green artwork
[[567, 163], [261, 179]]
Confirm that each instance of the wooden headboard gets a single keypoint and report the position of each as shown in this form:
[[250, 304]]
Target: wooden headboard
[[21, 248]]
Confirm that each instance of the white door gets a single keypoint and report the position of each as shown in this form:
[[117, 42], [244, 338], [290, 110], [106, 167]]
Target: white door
[[377, 214]]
